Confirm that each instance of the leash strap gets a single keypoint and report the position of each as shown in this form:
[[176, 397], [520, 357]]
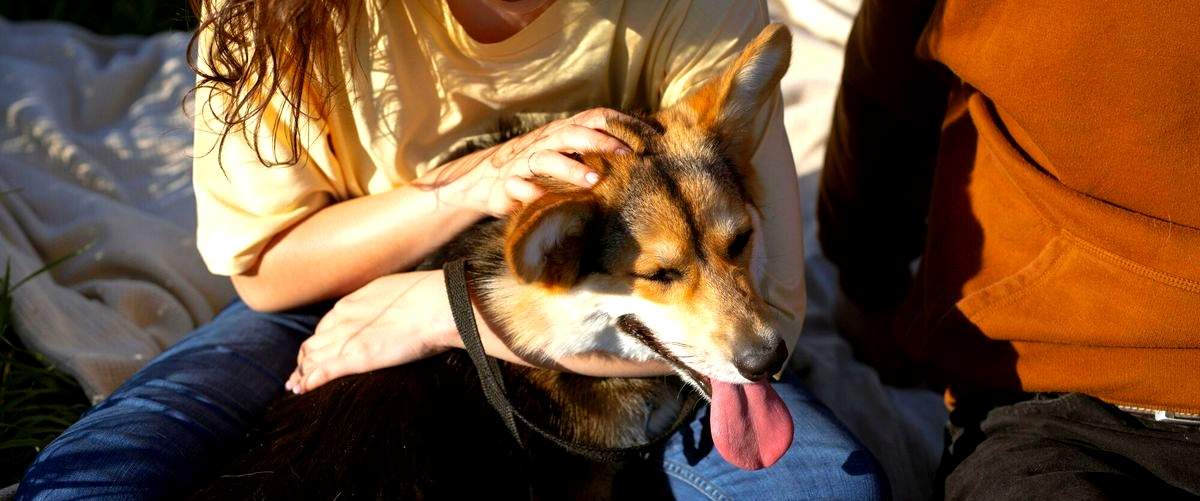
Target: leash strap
[[456, 274], [464, 319]]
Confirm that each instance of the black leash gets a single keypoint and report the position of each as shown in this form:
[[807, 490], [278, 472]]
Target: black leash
[[493, 384]]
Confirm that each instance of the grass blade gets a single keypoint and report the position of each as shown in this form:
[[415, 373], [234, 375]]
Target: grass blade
[[51, 265]]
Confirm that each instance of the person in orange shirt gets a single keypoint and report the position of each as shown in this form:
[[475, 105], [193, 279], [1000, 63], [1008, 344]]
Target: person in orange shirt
[[1040, 158]]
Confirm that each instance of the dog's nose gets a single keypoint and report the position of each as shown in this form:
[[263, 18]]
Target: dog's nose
[[756, 362]]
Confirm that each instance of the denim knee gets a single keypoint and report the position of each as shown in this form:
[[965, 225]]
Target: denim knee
[[825, 461], [167, 424], [866, 478]]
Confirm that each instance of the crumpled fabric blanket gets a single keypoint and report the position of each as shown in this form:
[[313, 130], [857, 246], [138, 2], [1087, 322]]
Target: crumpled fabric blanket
[[95, 155], [95, 151]]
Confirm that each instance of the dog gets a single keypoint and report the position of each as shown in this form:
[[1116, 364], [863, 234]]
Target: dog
[[651, 263]]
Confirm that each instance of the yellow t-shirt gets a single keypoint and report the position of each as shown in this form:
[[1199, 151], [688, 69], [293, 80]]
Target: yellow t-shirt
[[417, 85]]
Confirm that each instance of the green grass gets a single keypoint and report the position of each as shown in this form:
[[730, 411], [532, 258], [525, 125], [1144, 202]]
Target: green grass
[[115, 17], [37, 401]]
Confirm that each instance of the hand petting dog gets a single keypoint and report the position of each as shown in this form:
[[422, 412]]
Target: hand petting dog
[[404, 317], [494, 181]]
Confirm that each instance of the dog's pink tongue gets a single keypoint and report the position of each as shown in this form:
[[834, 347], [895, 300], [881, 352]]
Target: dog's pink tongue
[[751, 426]]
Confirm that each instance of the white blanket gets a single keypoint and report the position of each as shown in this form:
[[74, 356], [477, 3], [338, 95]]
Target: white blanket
[[94, 149], [97, 148]]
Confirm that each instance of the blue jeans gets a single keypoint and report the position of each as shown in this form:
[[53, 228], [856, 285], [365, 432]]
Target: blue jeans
[[168, 426]]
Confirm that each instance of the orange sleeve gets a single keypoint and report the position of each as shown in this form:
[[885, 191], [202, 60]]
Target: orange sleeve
[[879, 162]]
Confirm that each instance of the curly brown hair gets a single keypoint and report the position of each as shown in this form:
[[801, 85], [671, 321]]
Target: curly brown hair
[[262, 49]]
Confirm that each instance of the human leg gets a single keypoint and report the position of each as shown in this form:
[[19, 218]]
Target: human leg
[[824, 461], [1073, 447], [167, 425]]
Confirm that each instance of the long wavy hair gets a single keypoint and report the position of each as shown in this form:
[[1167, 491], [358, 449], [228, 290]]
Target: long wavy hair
[[263, 49]]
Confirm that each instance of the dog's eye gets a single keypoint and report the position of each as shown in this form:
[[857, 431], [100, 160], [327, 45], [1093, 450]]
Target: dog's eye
[[663, 275], [738, 245]]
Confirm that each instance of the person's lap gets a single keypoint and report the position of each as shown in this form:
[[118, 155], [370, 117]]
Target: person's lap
[[824, 461], [164, 428], [1070, 446]]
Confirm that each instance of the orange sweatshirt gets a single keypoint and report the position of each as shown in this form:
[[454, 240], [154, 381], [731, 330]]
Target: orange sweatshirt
[[1043, 161]]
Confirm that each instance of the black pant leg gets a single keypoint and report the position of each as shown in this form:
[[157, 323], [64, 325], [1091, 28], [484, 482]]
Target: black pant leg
[[1072, 447]]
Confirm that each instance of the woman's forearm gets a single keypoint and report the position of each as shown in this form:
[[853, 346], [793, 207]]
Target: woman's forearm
[[404, 317], [344, 246]]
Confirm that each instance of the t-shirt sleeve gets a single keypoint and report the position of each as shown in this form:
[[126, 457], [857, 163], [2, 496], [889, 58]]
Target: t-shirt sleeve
[[709, 37], [241, 202]]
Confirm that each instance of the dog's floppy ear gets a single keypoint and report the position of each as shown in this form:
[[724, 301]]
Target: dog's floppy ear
[[547, 239]]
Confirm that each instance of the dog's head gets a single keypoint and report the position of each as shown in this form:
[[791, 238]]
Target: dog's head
[[661, 247]]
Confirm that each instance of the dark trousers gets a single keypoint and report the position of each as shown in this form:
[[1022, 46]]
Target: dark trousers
[[1068, 446]]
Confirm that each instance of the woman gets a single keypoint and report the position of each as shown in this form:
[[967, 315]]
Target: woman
[[319, 127]]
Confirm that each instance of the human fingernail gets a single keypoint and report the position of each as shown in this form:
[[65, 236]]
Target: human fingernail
[[287, 386], [624, 151], [592, 178]]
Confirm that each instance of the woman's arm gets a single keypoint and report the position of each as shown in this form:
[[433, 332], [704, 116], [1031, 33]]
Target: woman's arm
[[342, 247], [404, 317]]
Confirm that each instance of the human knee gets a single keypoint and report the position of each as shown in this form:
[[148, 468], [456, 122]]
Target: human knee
[[864, 477]]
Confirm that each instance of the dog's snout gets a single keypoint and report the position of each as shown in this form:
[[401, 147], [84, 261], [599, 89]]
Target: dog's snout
[[758, 361]]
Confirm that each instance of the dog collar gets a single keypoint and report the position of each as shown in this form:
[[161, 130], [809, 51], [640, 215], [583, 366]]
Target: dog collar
[[457, 290]]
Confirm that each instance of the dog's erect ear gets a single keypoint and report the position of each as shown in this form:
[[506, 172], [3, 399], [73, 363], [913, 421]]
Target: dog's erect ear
[[730, 102], [547, 239]]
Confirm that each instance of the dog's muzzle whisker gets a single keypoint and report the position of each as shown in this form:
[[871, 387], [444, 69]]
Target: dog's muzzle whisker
[[630, 325]]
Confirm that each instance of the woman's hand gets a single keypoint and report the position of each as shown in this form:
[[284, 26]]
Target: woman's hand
[[405, 317], [393, 320], [495, 180]]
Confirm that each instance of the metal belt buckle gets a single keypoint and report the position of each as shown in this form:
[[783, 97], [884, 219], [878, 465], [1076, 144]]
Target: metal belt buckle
[[1164, 416], [1175, 417]]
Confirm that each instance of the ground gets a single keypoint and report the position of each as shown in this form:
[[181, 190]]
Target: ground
[[113, 17]]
